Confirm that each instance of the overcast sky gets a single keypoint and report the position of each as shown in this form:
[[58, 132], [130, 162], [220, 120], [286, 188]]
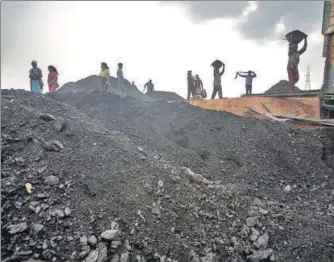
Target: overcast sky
[[159, 40]]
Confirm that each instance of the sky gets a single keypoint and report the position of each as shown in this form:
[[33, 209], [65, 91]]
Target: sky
[[159, 41]]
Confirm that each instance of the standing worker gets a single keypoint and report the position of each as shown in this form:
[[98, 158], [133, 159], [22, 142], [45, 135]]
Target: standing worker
[[120, 80], [249, 80], [104, 77], [294, 38], [149, 86], [217, 82], [191, 84], [52, 79], [35, 75], [200, 92], [134, 85], [198, 85]]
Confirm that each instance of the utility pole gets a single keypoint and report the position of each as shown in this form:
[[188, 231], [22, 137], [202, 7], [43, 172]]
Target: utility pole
[[308, 79]]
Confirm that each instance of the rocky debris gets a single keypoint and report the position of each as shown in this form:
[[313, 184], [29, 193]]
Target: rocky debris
[[92, 256], [263, 211], [58, 213], [103, 256], [51, 180], [67, 211], [193, 257], [83, 240], [34, 260], [252, 221], [214, 185], [110, 234], [287, 189], [18, 228], [139, 213], [156, 209], [92, 240], [115, 258], [260, 255], [263, 240], [193, 177], [37, 228], [54, 145], [331, 208], [47, 117], [59, 125], [124, 257]]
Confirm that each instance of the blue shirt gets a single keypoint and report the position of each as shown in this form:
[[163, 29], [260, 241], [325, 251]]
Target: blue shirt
[[249, 80], [120, 75]]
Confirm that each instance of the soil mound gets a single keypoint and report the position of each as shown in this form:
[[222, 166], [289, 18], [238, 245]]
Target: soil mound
[[125, 180], [282, 86]]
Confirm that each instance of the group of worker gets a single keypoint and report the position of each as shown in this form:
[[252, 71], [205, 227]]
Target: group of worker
[[197, 91], [105, 77], [36, 81], [195, 85]]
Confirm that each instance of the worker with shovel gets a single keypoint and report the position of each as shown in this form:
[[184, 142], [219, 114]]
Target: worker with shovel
[[149, 86], [249, 80]]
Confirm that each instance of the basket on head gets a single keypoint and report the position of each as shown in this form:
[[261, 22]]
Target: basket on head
[[217, 64], [295, 36]]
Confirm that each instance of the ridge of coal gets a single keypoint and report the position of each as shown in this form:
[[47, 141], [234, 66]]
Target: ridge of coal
[[133, 180], [93, 84], [282, 86]]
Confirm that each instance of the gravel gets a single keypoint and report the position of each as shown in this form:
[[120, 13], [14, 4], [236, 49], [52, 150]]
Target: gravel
[[205, 182], [282, 86]]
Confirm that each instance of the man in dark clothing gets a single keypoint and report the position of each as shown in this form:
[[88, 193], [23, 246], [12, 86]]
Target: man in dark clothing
[[217, 82], [134, 85], [198, 85], [191, 84], [249, 80], [150, 87]]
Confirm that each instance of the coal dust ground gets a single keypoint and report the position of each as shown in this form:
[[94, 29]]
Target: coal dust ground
[[147, 179]]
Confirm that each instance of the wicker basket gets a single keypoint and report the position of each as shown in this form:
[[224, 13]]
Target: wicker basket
[[295, 36]]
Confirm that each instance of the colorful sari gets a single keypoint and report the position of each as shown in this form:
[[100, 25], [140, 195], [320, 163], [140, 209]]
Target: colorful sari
[[293, 75], [36, 83], [53, 82]]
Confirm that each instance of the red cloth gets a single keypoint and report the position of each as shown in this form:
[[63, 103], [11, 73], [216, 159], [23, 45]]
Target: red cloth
[[53, 82], [293, 75]]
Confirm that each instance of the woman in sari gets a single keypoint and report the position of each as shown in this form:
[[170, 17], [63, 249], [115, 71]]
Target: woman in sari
[[52, 79], [104, 77], [35, 75]]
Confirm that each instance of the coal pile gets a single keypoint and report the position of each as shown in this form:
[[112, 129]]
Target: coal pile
[[282, 86], [93, 84], [165, 96], [133, 180]]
